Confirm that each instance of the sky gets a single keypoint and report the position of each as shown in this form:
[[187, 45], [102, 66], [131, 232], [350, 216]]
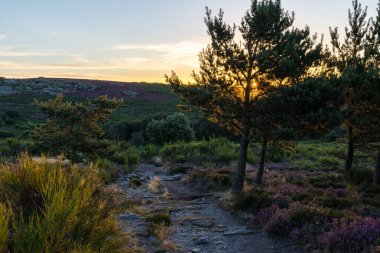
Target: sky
[[129, 40]]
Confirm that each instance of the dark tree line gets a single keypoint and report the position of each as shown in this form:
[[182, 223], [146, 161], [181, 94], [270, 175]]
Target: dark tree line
[[281, 77]]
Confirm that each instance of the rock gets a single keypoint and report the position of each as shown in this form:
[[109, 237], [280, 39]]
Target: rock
[[171, 178], [130, 217], [157, 161], [202, 223], [240, 231], [196, 250]]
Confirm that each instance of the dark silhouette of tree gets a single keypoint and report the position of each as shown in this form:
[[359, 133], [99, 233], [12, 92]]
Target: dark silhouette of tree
[[306, 109], [372, 96], [355, 66], [234, 76], [73, 127]]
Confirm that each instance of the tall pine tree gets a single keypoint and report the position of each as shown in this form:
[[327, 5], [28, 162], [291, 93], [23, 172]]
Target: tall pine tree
[[234, 76]]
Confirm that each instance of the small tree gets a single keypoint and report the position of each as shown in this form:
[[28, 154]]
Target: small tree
[[175, 127], [73, 128], [235, 75], [355, 62]]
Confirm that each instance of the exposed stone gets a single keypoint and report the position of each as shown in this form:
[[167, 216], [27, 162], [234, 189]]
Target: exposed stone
[[157, 161]]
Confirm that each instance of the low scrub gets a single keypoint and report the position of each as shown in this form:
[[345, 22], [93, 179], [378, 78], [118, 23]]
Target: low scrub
[[55, 209], [212, 179], [218, 150]]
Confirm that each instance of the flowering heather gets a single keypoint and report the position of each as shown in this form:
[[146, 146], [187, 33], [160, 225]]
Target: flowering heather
[[265, 215], [353, 237]]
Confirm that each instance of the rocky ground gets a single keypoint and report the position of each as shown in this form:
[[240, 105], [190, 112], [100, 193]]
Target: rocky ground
[[198, 222]]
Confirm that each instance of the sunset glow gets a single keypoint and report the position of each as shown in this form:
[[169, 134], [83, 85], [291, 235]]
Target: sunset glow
[[126, 40]]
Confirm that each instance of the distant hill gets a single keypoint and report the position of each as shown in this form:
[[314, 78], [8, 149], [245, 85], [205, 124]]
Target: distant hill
[[141, 100]]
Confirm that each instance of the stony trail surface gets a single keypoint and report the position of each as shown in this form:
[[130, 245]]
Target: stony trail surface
[[198, 222]]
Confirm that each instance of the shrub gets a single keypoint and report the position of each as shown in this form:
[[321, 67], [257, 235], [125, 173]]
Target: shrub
[[175, 127], [201, 152], [297, 216], [327, 180], [120, 158], [362, 175], [57, 209], [133, 155], [254, 200], [214, 180], [275, 154], [75, 127], [337, 202], [264, 215], [353, 237]]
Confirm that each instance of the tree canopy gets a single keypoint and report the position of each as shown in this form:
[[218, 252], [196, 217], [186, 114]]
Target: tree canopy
[[235, 75], [73, 127]]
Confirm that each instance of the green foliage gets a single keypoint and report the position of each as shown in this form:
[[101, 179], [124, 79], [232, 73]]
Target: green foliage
[[120, 157], [327, 180], [73, 128], [253, 201], [133, 155], [11, 147], [234, 76], [212, 180], [56, 209], [218, 150], [175, 127], [275, 154]]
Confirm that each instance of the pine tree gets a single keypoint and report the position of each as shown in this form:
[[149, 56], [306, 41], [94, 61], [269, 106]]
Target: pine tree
[[373, 92], [354, 62], [73, 127], [234, 76]]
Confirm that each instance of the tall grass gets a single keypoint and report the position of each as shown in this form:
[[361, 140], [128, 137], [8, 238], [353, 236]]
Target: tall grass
[[56, 209]]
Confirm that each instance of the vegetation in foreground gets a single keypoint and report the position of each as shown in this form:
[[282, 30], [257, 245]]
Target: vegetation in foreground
[[272, 105], [46, 207]]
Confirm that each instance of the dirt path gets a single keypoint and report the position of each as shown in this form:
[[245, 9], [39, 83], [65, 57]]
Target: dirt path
[[198, 223]]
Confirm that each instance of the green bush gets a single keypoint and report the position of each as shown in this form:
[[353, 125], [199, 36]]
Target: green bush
[[174, 128], [337, 202], [218, 150], [57, 209], [212, 180], [274, 154], [254, 200], [328, 180], [120, 158], [133, 155]]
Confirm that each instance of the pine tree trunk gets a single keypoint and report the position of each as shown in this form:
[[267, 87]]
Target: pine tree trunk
[[260, 172], [350, 153], [238, 182], [376, 179]]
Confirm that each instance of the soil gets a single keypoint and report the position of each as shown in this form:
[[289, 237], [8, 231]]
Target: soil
[[198, 221]]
